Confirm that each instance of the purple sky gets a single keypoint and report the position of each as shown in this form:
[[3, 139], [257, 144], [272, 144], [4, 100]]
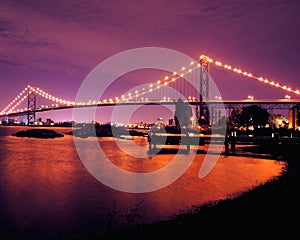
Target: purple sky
[[55, 44]]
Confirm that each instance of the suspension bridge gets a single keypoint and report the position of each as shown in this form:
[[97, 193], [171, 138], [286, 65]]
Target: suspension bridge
[[164, 91]]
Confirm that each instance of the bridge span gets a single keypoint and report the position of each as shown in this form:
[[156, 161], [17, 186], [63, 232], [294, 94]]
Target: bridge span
[[166, 91]]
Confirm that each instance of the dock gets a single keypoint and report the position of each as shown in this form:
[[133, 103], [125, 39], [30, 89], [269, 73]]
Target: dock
[[230, 140]]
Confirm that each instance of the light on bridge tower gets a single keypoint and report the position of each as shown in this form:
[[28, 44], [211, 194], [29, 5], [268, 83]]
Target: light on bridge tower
[[31, 105], [203, 114]]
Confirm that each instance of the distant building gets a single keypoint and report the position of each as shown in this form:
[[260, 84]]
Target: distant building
[[49, 122], [294, 117]]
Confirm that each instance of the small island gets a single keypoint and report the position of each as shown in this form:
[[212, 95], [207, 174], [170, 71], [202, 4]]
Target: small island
[[38, 133]]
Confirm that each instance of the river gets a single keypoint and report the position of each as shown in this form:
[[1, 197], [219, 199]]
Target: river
[[48, 193]]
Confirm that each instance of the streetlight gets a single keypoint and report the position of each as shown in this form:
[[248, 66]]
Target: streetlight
[[192, 121]]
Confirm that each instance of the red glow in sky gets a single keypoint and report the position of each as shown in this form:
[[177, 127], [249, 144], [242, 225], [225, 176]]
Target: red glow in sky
[[55, 44]]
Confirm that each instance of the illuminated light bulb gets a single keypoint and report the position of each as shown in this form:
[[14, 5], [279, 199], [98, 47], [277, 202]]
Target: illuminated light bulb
[[174, 73], [297, 92], [158, 82], [192, 63], [198, 65], [183, 68], [181, 75], [190, 70], [166, 83]]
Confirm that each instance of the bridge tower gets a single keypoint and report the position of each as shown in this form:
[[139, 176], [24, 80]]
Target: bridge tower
[[31, 106], [203, 113]]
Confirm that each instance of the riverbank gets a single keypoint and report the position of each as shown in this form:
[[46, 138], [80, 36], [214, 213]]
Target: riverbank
[[268, 211]]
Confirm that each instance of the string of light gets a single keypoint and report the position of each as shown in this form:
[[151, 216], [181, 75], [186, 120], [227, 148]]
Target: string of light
[[50, 97], [167, 80], [12, 104], [11, 107], [250, 75]]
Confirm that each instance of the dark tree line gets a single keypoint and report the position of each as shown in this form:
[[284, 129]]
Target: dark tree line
[[252, 115]]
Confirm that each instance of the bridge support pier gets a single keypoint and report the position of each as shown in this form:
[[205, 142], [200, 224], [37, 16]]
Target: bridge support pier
[[31, 106], [203, 112]]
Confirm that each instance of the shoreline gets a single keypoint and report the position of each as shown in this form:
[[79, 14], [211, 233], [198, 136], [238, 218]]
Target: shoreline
[[268, 210]]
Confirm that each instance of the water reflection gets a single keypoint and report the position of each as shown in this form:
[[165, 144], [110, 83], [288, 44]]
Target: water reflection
[[46, 191]]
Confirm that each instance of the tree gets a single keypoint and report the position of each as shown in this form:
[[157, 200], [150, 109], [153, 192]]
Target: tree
[[235, 116], [254, 116], [183, 114]]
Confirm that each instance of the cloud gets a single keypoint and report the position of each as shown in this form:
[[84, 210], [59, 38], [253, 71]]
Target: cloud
[[72, 36]]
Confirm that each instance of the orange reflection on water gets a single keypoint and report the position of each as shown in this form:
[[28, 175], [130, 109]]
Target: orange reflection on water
[[45, 185]]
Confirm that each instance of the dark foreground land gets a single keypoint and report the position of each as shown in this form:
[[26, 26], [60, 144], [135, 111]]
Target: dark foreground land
[[269, 211]]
